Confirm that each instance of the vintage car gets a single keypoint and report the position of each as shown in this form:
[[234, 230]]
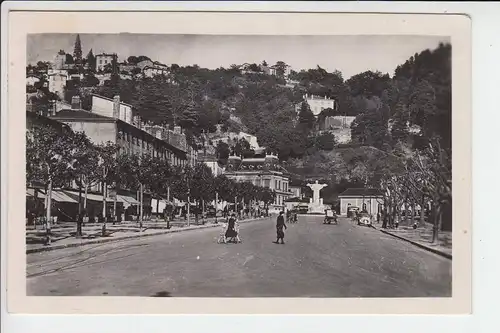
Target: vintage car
[[351, 210], [364, 218]]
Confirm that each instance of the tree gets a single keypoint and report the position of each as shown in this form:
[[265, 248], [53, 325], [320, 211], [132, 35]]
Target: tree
[[77, 51], [241, 146], [49, 161], [106, 167], [202, 185], [85, 171], [368, 83], [69, 59], [132, 60], [160, 179], [91, 61], [306, 117], [281, 67], [326, 141], [90, 80], [222, 151]]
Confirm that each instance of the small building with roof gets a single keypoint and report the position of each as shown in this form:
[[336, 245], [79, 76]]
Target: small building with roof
[[369, 199]]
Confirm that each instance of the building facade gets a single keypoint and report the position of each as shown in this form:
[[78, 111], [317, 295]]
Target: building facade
[[318, 104], [57, 83], [31, 80], [112, 107], [103, 59], [154, 70], [117, 128], [371, 200], [263, 171], [59, 60]]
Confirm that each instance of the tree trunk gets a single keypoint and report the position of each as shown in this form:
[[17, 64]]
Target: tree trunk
[[188, 211], [394, 210], [413, 212], [79, 218], [422, 212], [406, 212], [115, 204], [104, 194], [170, 209], [385, 212], [141, 207], [203, 210], [48, 195], [216, 205], [436, 221], [158, 206], [85, 200]]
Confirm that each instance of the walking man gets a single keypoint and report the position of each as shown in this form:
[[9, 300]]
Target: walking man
[[280, 225]]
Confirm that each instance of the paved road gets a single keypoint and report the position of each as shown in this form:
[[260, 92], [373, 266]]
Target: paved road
[[316, 261]]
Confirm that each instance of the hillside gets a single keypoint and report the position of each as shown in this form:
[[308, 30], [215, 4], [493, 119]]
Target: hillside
[[385, 109]]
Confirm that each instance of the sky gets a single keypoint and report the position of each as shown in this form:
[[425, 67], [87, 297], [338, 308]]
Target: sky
[[349, 54]]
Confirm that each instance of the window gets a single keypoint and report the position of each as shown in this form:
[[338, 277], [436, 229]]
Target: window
[[100, 62]]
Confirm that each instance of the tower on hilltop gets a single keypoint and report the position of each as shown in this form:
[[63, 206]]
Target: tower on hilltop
[[77, 51]]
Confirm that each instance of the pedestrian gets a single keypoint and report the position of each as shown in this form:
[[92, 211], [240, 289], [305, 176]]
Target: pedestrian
[[280, 226], [231, 227]]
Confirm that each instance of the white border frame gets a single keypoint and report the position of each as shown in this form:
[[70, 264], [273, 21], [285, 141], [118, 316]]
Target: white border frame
[[485, 32]]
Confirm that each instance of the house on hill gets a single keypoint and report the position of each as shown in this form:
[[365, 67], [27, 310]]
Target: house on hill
[[369, 199]]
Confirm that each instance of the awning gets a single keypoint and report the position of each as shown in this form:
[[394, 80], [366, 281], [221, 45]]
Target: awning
[[90, 196], [57, 195], [127, 200]]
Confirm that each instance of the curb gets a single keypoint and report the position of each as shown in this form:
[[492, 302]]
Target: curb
[[430, 249], [108, 240]]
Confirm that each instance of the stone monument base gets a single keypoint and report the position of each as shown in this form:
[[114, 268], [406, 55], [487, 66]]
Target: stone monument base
[[320, 209]]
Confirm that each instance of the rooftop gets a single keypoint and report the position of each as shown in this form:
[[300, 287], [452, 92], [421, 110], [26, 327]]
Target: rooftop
[[360, 192]]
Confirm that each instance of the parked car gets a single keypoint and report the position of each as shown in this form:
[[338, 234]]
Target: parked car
[[352, 209], [364, 218]]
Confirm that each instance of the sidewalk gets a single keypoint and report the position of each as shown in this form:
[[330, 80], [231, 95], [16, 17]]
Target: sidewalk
[[63, 235], [422, 237]]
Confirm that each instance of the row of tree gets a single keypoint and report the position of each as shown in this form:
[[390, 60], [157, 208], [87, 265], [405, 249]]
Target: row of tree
[[58, 159]]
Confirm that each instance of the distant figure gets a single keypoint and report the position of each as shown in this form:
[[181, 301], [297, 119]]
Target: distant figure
[[231, 231], [280, 225]]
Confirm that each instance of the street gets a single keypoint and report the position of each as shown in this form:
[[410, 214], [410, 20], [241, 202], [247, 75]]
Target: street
[[317, 260]]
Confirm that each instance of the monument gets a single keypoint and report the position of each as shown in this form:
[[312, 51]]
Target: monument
[[316, 205]]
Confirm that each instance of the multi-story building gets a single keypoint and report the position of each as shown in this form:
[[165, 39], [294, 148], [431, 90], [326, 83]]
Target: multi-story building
[[57, 83], [31, 79], [154, 70], [59, 60], [318, 104], [111, 121], [274, 70], [103, 59], [262, 171]]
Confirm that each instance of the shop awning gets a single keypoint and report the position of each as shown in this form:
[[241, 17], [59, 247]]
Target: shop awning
[[90, 196], [57, 195], [126, 200]]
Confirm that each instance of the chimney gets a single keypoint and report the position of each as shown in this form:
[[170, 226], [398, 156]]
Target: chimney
[[177, 129], [76, 104], [116, 106]]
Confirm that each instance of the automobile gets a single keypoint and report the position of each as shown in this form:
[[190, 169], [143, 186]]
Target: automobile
[[364, 219], [352, 209], [211, 212]]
